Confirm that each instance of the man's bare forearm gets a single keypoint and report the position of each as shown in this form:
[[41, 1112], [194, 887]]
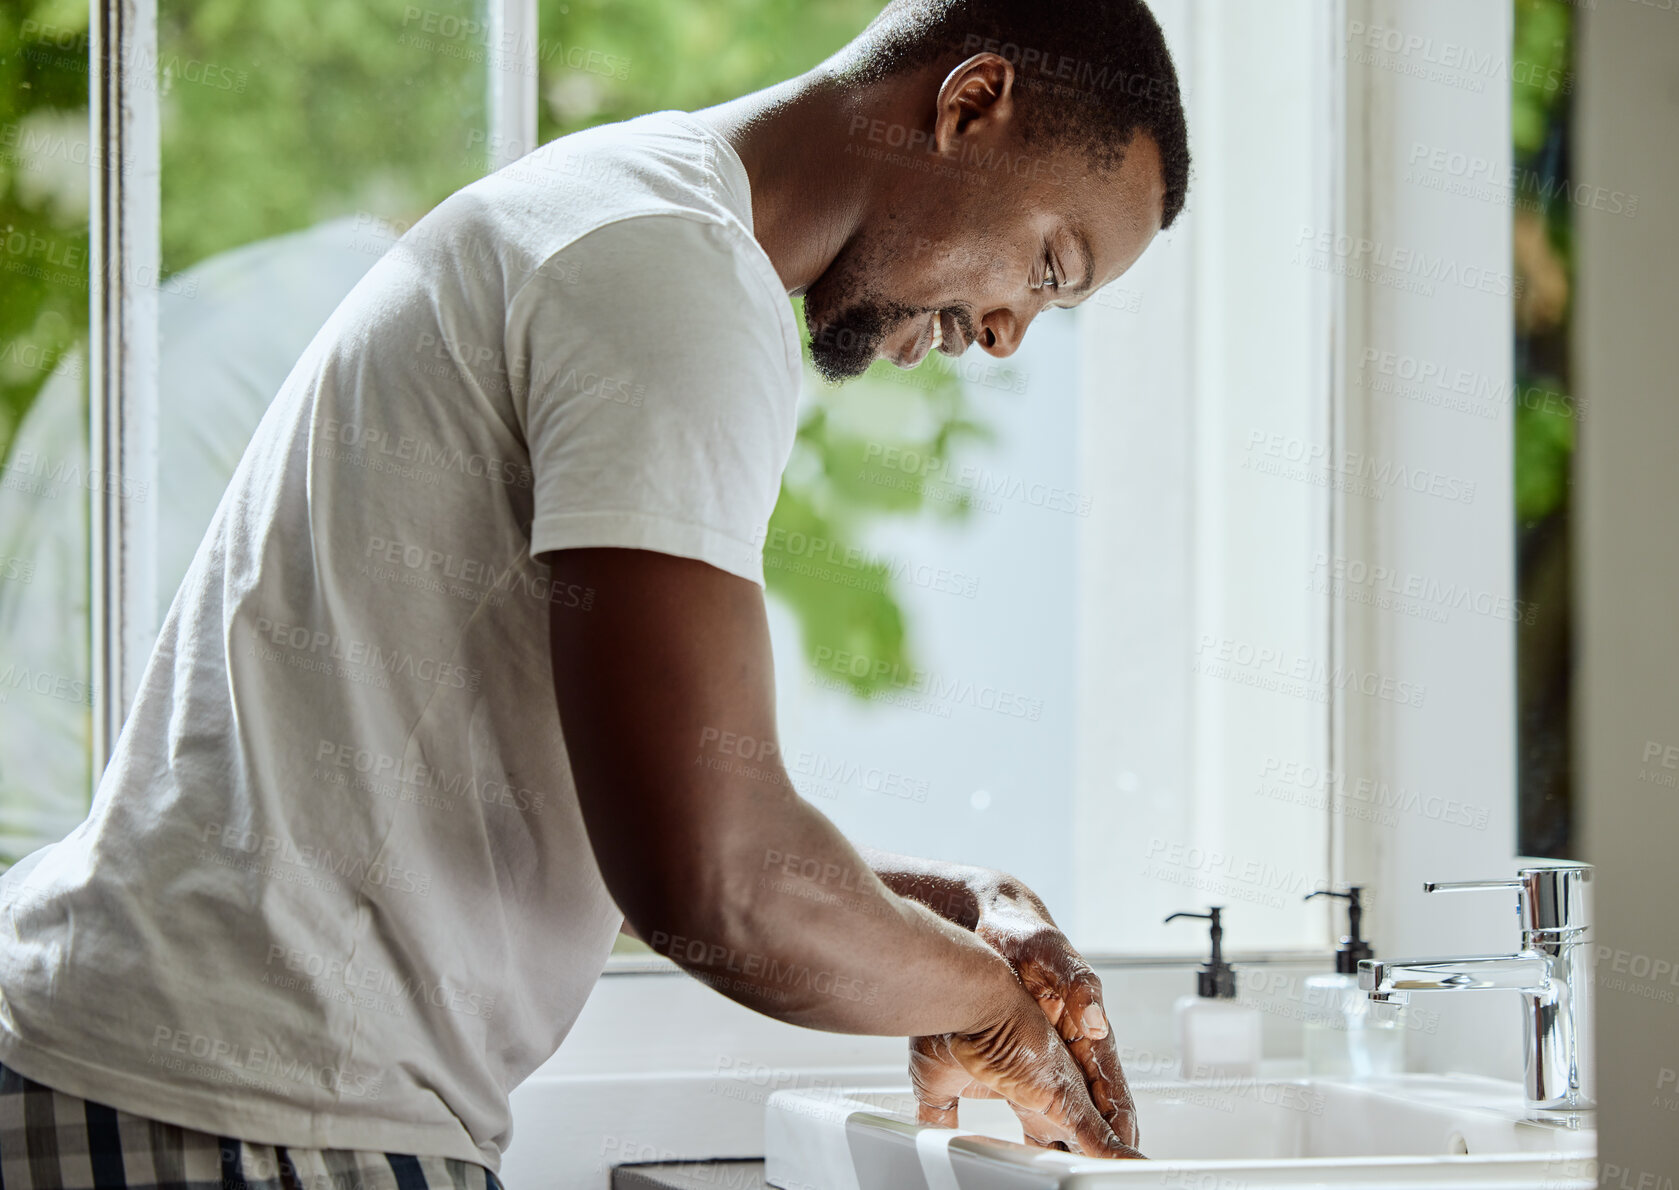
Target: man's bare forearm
[[818, 940]]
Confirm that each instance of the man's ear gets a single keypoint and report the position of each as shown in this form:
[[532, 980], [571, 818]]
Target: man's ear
[[977, 95]]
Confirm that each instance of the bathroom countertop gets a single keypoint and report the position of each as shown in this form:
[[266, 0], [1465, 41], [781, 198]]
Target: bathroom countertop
[[691, 1175]]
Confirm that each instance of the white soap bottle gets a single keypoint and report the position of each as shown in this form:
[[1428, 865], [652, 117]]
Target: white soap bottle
[[1217, 1037], [1345, 1034]]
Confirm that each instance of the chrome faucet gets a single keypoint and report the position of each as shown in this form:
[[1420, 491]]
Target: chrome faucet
[[1549, 971]]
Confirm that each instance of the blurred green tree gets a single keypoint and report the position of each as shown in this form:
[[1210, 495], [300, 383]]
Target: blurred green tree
[[1547, 418]]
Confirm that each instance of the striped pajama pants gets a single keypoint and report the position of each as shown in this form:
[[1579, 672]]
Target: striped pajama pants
[[53, 1141]]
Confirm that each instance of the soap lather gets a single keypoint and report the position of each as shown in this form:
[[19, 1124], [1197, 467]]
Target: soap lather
[[1217, 1037]]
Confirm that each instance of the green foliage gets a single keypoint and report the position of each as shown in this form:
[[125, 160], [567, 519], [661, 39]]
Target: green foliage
[[1544, 455], [1542, 82], [277, 116], [862, 453], [43, 226], [1541, 67], [683, 54]]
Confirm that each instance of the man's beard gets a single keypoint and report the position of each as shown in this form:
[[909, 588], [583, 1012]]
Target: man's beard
[[856, 317], [844, 347]]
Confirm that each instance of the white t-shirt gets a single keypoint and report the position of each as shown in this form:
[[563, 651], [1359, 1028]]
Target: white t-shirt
[[335, 890]]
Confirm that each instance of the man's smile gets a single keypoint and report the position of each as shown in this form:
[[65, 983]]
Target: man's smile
[[940, 330]]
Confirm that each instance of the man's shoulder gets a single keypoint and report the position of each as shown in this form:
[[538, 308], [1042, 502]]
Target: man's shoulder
[[669, 249]]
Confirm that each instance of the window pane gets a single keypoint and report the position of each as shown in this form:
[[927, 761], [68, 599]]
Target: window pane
[[1546, 422], [45, 699], [966, 666], [299, 139]]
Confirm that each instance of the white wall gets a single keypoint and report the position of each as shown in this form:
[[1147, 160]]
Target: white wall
[[1628, 574]]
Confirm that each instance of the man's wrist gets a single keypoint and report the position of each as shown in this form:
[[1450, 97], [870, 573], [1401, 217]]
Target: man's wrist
[[1005, 997], [953, 891]]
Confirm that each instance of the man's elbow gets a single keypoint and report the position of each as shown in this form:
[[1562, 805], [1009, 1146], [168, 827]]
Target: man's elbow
[[701, 917]]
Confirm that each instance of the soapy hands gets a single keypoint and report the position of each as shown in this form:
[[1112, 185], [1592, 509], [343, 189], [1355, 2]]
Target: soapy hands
[[1010, 917], [1019, 1058]]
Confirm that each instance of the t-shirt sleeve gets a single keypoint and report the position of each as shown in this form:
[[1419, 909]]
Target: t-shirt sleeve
[[657, 407]]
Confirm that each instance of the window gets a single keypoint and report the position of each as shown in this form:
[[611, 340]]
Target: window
[[46, 475], [1544, 199], [1066, 614]]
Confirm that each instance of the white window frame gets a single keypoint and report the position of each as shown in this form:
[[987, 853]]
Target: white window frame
[[123, 262], [1459, 745], [125, 259]]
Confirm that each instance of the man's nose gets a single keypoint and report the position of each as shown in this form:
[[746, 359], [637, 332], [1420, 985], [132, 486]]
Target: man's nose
[[1001, 332]]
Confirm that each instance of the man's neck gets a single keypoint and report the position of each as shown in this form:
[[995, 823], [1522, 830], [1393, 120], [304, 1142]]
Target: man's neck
[[809, 195]]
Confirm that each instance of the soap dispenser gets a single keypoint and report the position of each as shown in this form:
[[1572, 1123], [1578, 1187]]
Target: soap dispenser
[[1346, 1034], [1217, 1037]]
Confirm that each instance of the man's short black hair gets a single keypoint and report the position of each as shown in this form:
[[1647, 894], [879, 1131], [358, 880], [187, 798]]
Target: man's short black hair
[[1088, 71]]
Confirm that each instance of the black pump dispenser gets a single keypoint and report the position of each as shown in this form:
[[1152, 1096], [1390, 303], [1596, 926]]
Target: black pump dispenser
[[1215, 981], [1353, 947]]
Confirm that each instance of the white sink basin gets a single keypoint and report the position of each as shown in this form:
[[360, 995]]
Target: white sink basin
[[1443, 1132]]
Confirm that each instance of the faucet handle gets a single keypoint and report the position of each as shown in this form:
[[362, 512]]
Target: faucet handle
[[1433, 886], [1551, 900]]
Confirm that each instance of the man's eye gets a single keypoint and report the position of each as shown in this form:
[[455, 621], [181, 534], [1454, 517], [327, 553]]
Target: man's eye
[[1050, 279]]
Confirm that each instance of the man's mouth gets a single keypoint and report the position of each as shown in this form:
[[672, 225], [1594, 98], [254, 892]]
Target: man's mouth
[[939, 332]]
